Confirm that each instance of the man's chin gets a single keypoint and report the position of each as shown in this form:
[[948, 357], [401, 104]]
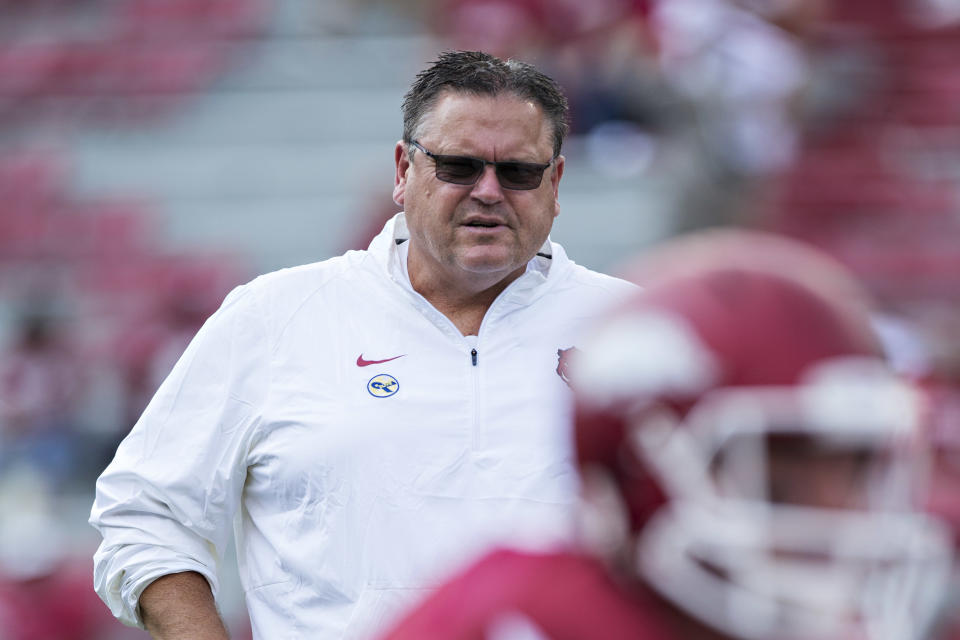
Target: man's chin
[[488, 260], [491, 273]]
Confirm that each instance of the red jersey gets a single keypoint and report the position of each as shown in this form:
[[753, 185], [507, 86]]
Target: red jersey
[[560, 596], [61, 605]]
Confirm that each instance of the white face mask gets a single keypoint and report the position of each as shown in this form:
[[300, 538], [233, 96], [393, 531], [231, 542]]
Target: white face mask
[[725, 553]]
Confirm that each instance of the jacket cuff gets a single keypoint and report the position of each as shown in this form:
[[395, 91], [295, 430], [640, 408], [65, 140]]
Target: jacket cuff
[[138, 566]]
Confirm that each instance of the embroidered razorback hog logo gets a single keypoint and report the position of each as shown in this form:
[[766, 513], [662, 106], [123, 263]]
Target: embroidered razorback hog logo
[[564, 357]]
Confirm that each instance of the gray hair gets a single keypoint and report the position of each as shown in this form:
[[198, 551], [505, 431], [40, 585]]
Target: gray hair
[[478, 73]]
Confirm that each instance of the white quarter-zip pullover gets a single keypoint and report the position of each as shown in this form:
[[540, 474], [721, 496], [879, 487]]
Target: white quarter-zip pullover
[[355, 442]]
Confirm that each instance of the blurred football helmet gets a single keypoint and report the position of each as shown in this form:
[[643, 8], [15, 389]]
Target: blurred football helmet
[[759, 446], [941, 442]]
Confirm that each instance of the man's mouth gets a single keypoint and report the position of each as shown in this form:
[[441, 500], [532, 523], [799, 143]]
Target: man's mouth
[[482, 224]]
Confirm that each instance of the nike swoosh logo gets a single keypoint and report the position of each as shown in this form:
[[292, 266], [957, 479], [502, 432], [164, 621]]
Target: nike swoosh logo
[[366, 363]]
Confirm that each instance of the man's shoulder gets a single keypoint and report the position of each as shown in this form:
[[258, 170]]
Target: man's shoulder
[[584, 288], [583, 276], [281, 293], [312, 272], [578, 278], [306, 279]]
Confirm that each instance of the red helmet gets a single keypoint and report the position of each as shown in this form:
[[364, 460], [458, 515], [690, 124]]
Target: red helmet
[[759, 445]]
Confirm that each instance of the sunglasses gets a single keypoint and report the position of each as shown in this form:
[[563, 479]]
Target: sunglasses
[[466, 170]]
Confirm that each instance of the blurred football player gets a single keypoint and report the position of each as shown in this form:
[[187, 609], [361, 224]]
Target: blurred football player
[[941, 491], [746, 460], [927, 353]]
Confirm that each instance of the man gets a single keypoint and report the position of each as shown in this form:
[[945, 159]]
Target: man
[[369, 421], [740, 441]]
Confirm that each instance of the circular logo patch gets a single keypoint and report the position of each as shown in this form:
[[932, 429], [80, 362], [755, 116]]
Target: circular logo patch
[[383, 386]]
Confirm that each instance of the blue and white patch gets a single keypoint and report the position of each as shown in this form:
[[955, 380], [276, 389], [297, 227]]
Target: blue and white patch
[[383, 385]]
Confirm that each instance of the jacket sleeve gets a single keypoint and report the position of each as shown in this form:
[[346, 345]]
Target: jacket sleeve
[[167, 501]]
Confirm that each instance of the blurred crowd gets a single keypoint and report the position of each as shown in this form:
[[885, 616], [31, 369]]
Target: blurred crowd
[[94, 308], [835, 122]]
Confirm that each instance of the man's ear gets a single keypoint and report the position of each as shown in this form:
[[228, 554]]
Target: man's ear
[[555, 176], [402, 162]]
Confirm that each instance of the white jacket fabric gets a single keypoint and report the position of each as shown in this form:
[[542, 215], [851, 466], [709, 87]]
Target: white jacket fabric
[[348, 435]]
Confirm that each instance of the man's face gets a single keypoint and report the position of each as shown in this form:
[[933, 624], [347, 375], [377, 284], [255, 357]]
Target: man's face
[[797, 471], [804, 474], [475, 236]]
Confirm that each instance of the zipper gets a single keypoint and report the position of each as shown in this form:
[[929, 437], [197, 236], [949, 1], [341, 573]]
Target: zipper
[[476, 438], [444, 323], [475, 435]]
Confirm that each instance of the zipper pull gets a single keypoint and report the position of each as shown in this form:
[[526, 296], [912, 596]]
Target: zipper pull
[[473, 356]]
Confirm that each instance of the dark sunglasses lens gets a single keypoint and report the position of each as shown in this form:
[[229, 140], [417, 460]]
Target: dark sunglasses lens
[[458, 170], [519, 175]]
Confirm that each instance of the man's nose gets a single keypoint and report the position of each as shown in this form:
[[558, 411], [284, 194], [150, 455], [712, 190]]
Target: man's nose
[[487, 189]]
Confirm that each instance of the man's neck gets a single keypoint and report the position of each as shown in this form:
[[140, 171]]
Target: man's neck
[[464, 309], [463, 303]]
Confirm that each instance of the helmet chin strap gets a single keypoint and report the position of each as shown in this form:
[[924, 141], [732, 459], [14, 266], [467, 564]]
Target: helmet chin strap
[[741, 589]]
